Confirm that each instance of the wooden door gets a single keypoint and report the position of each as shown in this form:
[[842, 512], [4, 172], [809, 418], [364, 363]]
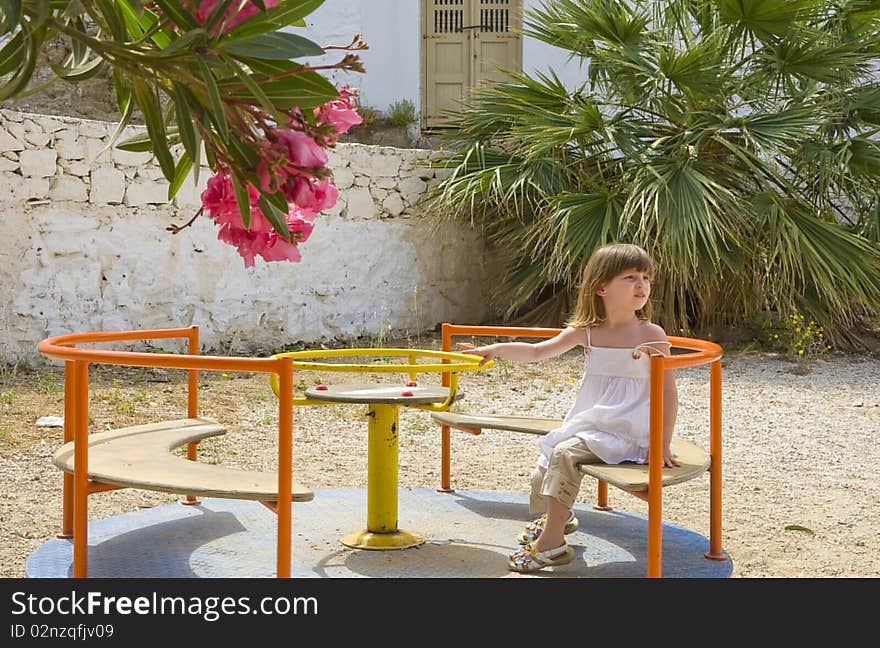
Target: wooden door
[[465, 44]]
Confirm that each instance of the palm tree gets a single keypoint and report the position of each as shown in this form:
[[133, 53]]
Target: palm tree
[[733, 139]]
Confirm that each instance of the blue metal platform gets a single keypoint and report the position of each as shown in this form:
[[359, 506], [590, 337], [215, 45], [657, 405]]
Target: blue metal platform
[[468, 535]]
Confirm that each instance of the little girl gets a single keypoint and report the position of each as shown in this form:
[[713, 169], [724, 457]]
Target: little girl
[[609, 421]]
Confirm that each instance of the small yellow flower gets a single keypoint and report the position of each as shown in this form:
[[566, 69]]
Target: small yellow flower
[[801, 352], [797, 330]]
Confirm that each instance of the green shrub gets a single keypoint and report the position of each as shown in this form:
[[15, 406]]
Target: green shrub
[[799, 338], [403, 113]]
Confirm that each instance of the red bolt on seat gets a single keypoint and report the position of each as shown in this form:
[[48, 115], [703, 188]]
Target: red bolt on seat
[[406, 393], [412, 383], [321, 387]]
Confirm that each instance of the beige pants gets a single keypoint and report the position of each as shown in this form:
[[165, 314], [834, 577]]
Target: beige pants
[[561, 479]]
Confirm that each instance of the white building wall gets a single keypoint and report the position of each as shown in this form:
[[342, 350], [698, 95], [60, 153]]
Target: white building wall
[[393, 29]]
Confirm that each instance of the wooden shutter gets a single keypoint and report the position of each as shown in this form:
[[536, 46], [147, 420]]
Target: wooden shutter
[[466, 42], [496, 44], [447, 71]]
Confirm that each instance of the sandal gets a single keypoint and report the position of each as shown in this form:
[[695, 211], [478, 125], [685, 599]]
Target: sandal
[[529, 559], [533, 529]]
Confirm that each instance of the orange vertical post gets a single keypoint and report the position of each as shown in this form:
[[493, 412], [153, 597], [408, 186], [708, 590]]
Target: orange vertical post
[[285, 464], [192, 402], [80, 468], [655, 471], [445, 433], [67, 487], [602, 497], [715, 550]]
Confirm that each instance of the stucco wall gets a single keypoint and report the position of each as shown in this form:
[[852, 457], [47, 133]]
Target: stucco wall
[[392, 29], [85, 248]]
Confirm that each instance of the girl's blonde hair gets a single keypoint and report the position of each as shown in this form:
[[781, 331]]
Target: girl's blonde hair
[[606, 263]]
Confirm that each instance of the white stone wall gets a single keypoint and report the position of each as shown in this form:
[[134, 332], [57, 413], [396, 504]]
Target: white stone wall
[[85, 249]]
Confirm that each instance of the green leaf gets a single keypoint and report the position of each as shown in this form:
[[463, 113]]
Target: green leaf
[[140, 143], [256, 91], [185, 127], [12, 53], [186, 44], [79, 73], [122, 89], [798, 527], [286, 13], [303, 89], [275, 46], [10, 15], [277, 217], [243, 199], [218, 115], [132, 19], [126, 110], [184, 164], [148, 100], [24, 69], [180, 17], [113, 18]]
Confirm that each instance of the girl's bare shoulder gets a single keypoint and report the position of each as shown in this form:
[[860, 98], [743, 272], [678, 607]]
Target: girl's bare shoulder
[[650, 332], [576, 334]]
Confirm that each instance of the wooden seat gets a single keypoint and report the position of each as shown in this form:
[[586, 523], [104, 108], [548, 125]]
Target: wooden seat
[[627, 476], [141, 457]]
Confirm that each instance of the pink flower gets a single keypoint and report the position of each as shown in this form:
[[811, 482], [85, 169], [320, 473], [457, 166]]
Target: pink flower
[[302, 150], [206, 8], [313, 195], [219, 201], [341, 112]]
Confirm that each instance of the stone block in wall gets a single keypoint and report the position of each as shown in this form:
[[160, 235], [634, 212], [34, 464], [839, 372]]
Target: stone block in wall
[[68, 188], [385, 166], [360, 204], [108, 186], [8, 141], [88, 128], [343, 178], [129, 158], [76, 168], [20, 189], [95, 151], [17, 131], [38, 163], [423, 173], [146, 193], [38, 138], [69, 145], [412, 189], [49, 125], [8, 165], [393, 204], [386, 183]]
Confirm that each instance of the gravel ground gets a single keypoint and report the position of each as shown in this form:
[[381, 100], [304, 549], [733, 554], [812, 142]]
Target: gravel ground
[[801, 490]]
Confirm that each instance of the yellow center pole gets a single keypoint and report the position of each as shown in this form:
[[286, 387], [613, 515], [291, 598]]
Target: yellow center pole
[[382, 532], [382, 469]]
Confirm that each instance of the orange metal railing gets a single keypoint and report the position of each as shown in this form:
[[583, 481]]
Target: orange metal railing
[[703, 352], [77, 487]]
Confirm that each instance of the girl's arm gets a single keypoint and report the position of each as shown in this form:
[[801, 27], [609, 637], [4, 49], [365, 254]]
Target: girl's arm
[[670, 412], [670, 396], [527, 351]]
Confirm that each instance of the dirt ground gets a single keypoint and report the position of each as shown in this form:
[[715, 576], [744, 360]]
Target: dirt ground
[[801, 490]]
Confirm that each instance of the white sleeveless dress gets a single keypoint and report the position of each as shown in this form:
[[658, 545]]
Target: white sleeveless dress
[[611, 412]]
